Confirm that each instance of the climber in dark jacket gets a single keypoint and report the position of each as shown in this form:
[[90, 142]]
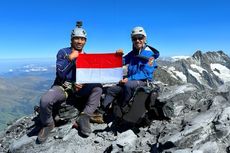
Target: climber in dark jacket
[[64, 86]]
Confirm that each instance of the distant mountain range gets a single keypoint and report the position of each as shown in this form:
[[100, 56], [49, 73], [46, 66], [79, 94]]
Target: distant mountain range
[[206, 70]]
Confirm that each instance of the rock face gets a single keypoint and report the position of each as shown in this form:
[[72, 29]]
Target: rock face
[[200, 124]]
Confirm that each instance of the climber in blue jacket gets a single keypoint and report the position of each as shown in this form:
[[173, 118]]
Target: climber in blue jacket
[[141, 66]]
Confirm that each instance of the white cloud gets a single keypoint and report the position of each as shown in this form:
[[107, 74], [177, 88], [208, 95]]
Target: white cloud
[[34, 68], [175, 58]]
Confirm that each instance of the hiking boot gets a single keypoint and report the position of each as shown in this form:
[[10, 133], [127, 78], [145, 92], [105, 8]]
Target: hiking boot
[[44, 132], [97, 117], [84, 124]]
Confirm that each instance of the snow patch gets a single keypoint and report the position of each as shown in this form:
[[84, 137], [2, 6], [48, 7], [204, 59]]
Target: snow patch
[[172, 71], [196, 75], [221, 71], [200, 69]]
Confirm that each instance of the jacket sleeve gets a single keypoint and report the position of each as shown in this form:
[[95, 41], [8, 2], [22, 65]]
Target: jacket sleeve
[[63, 65]]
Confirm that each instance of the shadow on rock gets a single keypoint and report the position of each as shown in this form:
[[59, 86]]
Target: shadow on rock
[[158, 147], [35, 128]]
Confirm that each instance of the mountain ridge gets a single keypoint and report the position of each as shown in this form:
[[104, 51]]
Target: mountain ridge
[[203, 69]]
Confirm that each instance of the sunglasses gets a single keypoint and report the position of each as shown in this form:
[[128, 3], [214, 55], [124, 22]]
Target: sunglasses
[[137, 38]]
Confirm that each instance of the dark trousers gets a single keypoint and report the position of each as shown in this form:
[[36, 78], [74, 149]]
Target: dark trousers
[[57, 95], [123, 93]]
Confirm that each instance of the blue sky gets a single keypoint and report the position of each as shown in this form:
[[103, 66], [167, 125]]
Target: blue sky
[[39, 28]]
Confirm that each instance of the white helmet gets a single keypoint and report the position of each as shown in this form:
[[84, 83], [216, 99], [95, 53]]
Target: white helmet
[[78, 31], [137, 31]]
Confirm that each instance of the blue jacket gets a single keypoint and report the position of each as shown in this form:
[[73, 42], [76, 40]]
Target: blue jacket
[[65, 69], [141, 65]]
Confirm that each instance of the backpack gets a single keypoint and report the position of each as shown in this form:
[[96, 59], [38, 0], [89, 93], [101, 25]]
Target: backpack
[[62, 112], [143, 107]]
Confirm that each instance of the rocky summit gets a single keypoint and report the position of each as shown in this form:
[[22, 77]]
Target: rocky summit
[[199, 91]]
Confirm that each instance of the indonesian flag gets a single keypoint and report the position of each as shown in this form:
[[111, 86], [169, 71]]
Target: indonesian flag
[[99, 68]]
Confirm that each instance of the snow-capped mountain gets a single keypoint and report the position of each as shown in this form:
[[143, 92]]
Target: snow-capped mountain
[[206, 70]]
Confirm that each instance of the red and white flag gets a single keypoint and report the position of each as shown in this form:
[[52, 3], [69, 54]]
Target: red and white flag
[[99, 68]]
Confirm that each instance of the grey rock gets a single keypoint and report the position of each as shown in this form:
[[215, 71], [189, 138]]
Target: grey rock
[[183, 151], [17, 145], [221, 126], [126, 141], [209, 147]]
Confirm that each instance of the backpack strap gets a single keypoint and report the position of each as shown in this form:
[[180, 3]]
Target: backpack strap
[[151, 105], [155, 51]]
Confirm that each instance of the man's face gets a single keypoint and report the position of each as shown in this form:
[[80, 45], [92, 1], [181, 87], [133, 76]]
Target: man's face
[[138, 41], [78, 43]]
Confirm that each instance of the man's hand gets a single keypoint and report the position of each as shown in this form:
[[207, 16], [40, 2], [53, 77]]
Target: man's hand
[[123, 81], [119, 52], [151, 60], [78, 87], [73, 55]]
